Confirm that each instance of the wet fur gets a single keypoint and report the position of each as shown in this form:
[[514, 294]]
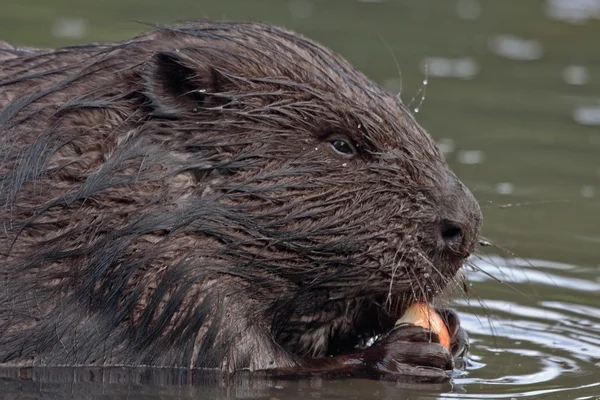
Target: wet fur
[[174, 200]]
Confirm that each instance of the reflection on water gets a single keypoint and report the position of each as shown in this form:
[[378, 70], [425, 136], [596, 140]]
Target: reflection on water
[[69, 28], [587, 115], [512, 96], [573, 11], [515, 48]]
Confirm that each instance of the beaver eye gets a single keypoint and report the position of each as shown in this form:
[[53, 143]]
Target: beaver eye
[[343, 147]]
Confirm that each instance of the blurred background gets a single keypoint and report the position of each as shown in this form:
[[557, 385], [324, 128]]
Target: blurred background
[[511, 92]]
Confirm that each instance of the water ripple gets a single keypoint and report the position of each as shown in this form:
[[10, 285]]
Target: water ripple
[[530, 344]]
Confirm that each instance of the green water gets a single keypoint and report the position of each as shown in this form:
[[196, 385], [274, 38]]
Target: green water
[[516, 130]]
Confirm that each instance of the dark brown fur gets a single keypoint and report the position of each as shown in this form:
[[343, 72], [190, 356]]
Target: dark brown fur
[[175, 200]]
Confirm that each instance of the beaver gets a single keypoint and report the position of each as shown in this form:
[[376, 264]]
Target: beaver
[[221, 195]]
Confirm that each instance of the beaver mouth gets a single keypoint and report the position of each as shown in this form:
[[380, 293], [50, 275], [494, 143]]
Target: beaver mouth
[[419, 305], [416, 306], [418, 313], [323, 324]]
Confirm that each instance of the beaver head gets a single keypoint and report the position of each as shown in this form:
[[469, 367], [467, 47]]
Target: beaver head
[[189, 195]]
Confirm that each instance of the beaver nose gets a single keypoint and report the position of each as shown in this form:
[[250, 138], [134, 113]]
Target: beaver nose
[[459, 218], [452, 235]]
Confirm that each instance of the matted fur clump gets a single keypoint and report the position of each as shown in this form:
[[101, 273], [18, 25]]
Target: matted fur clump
[[217, 195]]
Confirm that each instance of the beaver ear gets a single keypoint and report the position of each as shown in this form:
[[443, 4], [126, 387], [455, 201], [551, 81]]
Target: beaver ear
[[174, 87]]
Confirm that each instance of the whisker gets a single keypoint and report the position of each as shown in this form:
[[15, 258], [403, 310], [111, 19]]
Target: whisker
[[422, 91], [467, 298], [446, 280], [483, 242], [487, 312], [396, 265], [488, 274], [488, 243], [393, 55], [415, 278]]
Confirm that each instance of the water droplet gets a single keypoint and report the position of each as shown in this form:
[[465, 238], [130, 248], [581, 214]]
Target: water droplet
[[424, 81], [416, 109], [344, 165]]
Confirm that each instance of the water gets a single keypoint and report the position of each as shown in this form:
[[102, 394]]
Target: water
[[513, 98]]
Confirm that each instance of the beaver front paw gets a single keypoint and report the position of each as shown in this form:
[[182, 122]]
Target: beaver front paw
[[415, 352], [409, 352], [459, 339]]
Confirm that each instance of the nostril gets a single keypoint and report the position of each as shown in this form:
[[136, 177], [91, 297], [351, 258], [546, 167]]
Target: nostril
[[452, 234]]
